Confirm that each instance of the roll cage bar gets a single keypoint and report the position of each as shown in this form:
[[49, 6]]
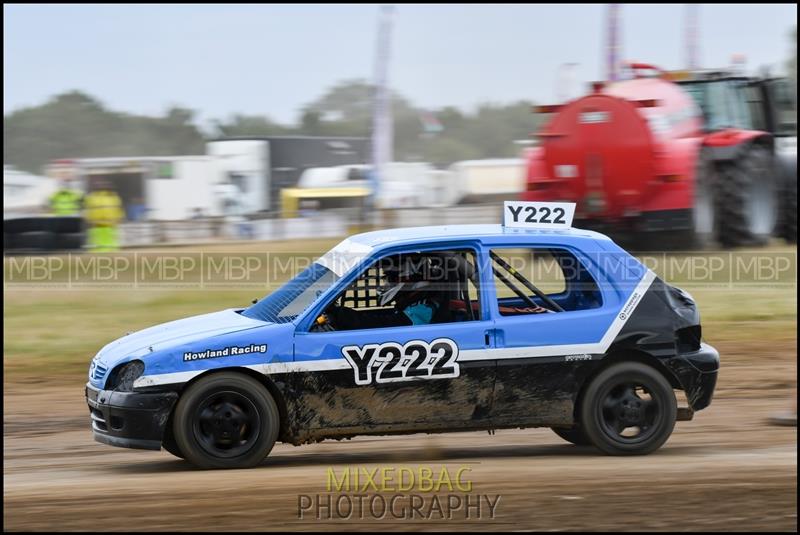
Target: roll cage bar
[[521, 278]]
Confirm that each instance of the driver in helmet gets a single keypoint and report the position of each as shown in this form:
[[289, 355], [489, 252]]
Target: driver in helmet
[[408, 284]]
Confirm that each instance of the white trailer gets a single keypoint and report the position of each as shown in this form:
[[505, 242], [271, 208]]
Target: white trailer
[[245, 164], [24, 193], [251, 171], [487, 180], [168, 187]]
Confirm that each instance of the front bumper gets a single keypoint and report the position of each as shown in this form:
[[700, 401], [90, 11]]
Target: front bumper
[[697, 373], [129, 419]]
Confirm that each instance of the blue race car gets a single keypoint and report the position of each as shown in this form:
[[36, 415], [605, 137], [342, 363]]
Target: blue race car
[[430, 329]]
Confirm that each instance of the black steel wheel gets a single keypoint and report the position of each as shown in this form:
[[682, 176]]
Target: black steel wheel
[[573, 435], [628, 409], [226, 420]]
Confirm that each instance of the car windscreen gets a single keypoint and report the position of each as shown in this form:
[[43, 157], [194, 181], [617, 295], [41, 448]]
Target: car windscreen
[[290, 300]]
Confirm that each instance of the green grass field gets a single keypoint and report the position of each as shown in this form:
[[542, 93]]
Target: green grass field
[[55, 331]]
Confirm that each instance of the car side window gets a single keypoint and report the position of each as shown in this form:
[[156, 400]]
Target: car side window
[[407, 289], [531, 280]]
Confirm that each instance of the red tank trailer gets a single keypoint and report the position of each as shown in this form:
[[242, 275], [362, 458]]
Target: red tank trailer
[[639, 159]]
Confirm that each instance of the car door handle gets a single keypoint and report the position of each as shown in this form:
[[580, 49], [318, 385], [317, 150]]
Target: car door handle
[[494, 338]]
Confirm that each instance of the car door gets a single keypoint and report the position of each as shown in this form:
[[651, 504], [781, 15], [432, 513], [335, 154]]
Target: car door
[[396, 378], [541, 356]]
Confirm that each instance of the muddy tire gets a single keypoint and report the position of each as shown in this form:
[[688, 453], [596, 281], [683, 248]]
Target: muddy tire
[[226, 420], [628, 409], [746, 198], [573, 435]]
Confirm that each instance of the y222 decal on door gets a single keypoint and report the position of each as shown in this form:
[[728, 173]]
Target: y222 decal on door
[[391, 362]]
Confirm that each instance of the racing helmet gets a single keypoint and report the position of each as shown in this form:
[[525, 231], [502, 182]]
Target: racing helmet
[[405, 274]]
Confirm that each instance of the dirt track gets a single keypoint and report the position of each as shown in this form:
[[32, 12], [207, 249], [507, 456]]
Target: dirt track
[[727, 470]]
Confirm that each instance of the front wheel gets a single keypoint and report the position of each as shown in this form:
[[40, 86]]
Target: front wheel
[[628, 409], [573, 435], [226, 420], [171, 446]]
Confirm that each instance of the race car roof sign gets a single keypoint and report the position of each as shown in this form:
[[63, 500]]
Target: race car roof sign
[[542, 215]]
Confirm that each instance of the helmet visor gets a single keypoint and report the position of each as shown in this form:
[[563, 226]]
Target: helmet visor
[[390, 292]]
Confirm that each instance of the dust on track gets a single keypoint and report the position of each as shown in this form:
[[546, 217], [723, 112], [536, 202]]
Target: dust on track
[[727, 470]]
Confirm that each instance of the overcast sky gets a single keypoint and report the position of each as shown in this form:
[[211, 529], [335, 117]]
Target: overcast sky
[[273, 59]]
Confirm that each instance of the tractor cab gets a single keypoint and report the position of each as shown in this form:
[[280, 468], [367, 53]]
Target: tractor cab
[[724, 102], [780, 105], [731, 100]]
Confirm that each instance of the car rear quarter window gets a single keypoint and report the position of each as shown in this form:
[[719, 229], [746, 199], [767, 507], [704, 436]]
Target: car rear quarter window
[[557, 273]]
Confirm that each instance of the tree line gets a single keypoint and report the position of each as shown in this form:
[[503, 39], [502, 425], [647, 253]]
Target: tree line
[[78, 125]]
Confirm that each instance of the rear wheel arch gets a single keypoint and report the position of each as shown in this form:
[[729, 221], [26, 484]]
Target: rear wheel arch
[[724, 146], [764, 140]]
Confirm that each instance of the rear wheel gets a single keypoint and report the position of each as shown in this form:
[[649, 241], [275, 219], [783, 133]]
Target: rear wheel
[[746, 198], [703, 213], [573, 435], [628, 409], [226, 420]]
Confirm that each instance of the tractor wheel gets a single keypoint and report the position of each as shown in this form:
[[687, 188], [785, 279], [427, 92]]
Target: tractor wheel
[[703, 213], [746, 198], [787, 228]]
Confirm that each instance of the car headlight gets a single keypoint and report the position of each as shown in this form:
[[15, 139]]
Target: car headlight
[[125, 375]]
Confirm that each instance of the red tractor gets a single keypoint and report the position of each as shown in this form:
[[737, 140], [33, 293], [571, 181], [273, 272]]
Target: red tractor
[[675, 164]]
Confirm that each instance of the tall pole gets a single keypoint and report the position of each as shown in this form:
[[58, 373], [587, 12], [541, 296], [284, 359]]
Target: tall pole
[[692, 52], [565, 83], [613, 44], [382, 130]]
